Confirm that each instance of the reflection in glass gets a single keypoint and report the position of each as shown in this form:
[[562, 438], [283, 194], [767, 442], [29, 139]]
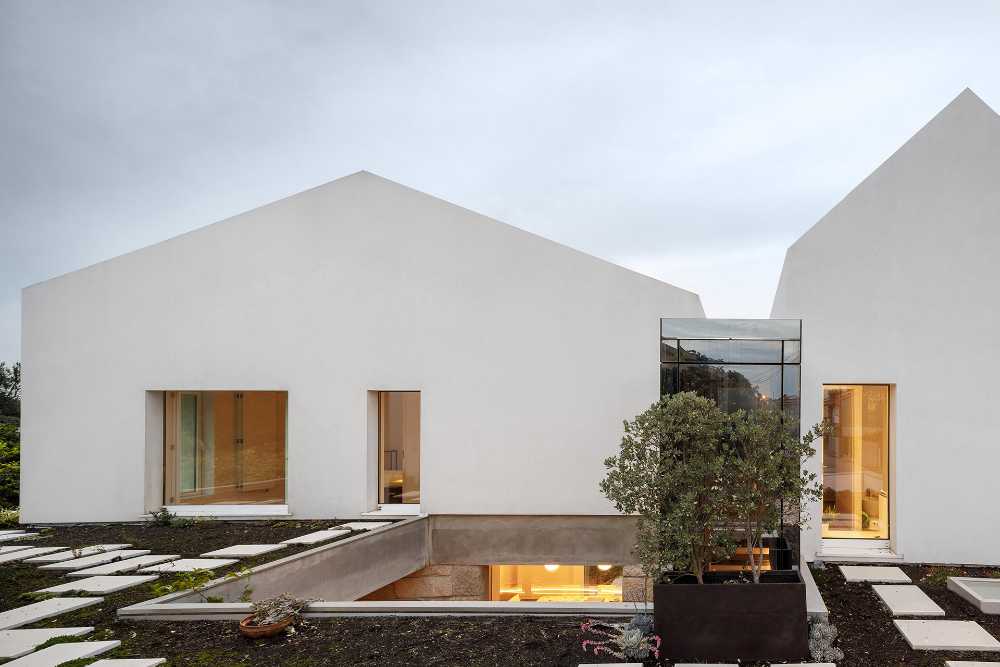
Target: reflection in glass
[[399, 447], [793, 351], [702, 327], [556, 583], [790, 402], [668, 350], [856, 461], [731, 351], [224, 447], [733, 387]]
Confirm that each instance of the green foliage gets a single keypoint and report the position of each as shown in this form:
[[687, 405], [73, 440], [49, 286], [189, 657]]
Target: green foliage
[[10, 464], [764, 478], [10, 389], [9, 518], [244, 572], [194, 581], [35, 596], [938, 576], [669, 471], [167, 519]]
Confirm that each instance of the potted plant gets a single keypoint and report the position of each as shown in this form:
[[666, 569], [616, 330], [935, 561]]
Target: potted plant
[[701, 480], [272, 616]]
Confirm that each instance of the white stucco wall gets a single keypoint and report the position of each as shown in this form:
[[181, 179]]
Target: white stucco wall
[[528, 354], [898, 284]]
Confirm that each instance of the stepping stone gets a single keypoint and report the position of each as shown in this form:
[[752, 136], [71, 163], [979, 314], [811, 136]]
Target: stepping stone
[[16, 536], [700, 664], [39, 611], [365, 525], [318, 536], [129, 662], [100, 585], [22, 554], [191, 564], [874, 574], [96, 559], [15, 643], [243, 551], [947, 636], [11, 532], [121, 566], [907, 601], [12, 548], [981, 592], [57, 654], [970, 663], [78, 553]]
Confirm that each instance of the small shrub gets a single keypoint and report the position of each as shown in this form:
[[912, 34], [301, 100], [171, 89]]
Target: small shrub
[[10, 518], [938, 576], [186, 581], [621, 640], [821, 638], [276, 609]]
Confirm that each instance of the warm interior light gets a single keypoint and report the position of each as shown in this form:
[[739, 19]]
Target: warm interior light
[[604, 568], [551, 567]]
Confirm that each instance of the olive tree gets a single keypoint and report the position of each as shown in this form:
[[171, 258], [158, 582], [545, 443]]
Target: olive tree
[[765, 479], [669, 471]]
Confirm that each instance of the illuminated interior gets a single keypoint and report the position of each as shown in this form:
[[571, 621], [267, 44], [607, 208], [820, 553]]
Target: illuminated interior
[[856, 462], [556, 583], [224, 447], [399, 447]]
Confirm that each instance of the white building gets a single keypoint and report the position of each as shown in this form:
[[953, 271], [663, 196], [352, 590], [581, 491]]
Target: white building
[[897, 290], [248, 367]]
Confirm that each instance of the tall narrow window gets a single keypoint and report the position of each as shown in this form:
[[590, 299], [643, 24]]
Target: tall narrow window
[[856, 462], [224, 447], [399, 447]]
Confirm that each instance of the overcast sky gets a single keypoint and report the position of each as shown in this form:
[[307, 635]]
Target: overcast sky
[[689, 141]]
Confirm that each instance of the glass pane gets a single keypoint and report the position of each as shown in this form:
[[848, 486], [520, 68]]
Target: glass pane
[[702, 327], [668, 350], [731, 351], [225, 447], [556, 583], [790, 401], [399, 447], [734, 387], [668, 379], [793, 351], [856, 462]]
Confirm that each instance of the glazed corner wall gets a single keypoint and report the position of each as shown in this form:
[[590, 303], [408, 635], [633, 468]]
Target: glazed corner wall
[[528, 355], [897, 285]]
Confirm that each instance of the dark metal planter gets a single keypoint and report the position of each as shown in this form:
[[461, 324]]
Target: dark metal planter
[[720, 621]]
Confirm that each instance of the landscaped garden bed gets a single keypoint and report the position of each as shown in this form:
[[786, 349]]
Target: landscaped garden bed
[[867, 634]]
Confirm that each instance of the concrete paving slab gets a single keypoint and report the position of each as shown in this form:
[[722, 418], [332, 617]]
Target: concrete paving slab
[[122, 566], [874, 574], [16, 536], [702, 664], [39, 611], [982, 592], [23, 554], [364, 525], [15, 643], [243, 550], [907, 600], [970, 663], [101, 585], [129, 662], [96, 559], [70, 554], [11, 532], [317, 537], [190, 564], [14, 547], [57, 654], [947, 636]]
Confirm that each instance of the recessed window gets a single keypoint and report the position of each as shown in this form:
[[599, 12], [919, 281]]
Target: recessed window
[[399, 447], [224, 447], [555, 582]]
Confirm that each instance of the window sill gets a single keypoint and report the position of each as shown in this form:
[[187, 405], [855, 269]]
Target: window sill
[[228, 510]]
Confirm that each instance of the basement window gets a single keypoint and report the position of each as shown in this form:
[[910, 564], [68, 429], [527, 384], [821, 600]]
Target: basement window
[[556, 582]]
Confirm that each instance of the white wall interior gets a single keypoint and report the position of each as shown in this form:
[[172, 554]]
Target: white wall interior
[[528, 354], [898, 285]]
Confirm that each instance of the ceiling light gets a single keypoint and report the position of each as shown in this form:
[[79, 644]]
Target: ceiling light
[[604, 568], [551, 567]]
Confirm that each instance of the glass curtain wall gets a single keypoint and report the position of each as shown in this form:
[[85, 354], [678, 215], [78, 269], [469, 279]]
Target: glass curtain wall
[[224, 447], [740, 364], [856, 462]]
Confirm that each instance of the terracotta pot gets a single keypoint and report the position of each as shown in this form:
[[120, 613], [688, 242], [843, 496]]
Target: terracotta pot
[[261, 631]]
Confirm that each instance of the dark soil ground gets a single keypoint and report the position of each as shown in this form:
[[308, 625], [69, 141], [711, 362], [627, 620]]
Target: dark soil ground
[[868, 636]]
